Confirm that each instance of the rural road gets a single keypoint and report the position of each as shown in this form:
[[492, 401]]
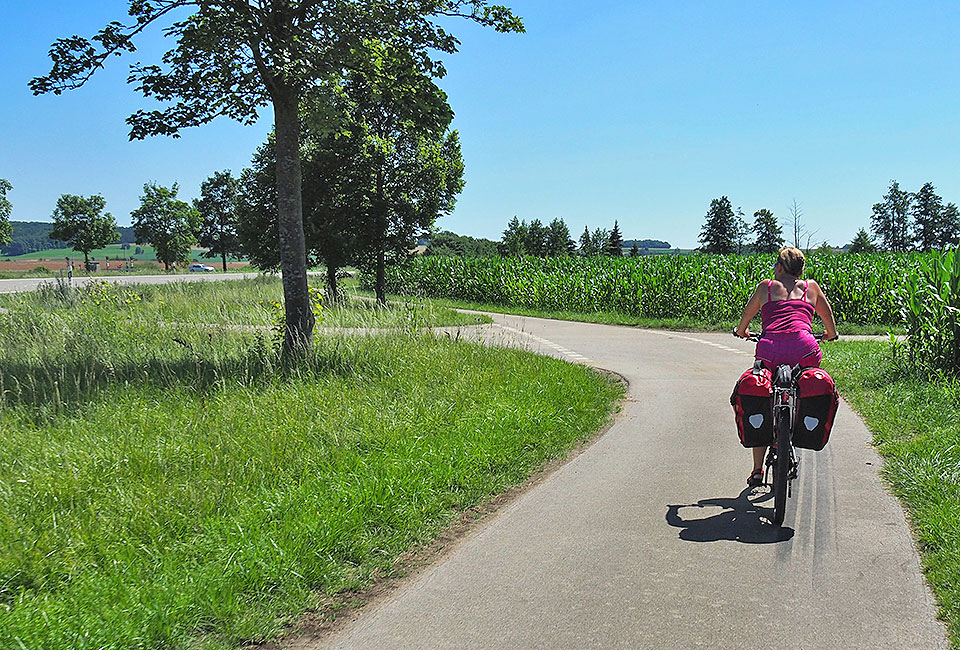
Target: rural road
[[12, 286], [649, 539]]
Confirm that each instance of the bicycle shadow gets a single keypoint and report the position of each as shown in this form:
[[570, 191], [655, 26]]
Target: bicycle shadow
[[742, 519]]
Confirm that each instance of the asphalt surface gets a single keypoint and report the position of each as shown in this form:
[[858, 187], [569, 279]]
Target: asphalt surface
[[649, 539], [13, 286]]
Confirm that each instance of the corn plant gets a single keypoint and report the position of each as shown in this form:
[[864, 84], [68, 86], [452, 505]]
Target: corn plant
[[931, 309]]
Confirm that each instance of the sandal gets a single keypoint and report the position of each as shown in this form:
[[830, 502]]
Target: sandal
[[755, 478]]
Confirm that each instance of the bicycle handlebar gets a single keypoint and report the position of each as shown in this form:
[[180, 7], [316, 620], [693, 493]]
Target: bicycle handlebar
[[756, 337]]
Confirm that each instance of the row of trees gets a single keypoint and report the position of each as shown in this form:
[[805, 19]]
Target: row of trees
[[914, 220], [726, 231], [170, 225], [554, 240], [370, 187]]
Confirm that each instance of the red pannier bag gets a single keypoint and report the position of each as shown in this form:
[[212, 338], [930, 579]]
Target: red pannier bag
[[817, 403], [752, 402]]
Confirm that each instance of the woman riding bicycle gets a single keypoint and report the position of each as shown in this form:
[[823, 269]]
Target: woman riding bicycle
[[786, 305]]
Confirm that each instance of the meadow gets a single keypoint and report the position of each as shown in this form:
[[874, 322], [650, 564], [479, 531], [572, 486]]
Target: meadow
[[165, 482]]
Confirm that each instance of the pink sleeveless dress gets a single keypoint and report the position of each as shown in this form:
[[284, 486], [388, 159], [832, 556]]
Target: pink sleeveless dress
[[787, 336]]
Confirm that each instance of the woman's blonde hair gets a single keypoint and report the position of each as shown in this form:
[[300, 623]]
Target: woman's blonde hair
[[791, 259]]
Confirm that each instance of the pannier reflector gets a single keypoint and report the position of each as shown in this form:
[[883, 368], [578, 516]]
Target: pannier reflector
[[811, 423], [756, 420]]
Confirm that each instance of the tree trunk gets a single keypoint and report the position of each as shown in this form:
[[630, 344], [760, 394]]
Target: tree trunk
[[293, 257], [223, 249], [381, 283], [332, 291]]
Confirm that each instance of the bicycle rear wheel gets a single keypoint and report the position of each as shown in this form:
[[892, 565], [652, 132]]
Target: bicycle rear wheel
[[781, 470]]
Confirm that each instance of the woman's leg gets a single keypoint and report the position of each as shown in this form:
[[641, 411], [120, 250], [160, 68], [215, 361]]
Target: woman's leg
[[756, 476], [758, 454]]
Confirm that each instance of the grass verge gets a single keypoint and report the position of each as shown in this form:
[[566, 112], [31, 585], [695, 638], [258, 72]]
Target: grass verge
[[917, 431], [254, 301], [181, 490]]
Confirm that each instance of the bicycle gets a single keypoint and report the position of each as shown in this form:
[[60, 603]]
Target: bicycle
[[782, 461]]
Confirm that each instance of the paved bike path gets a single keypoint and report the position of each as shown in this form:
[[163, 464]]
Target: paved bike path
[[649, 539]]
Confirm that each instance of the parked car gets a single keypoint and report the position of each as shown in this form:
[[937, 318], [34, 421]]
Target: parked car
[[201, 268]]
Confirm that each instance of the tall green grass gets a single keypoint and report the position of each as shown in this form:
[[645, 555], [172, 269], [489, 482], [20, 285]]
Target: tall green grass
[[252, 301], [181, 489]]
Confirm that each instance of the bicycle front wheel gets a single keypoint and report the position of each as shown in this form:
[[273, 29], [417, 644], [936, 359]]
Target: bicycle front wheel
[[781, 470]]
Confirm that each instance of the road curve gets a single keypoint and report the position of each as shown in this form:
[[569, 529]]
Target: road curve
[[649, 539]]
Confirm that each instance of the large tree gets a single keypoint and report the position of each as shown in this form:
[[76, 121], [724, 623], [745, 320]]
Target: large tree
[[6, 230], [768, 236], [536, 240], [719, 232], [166, 223], [412, 162], [890, 221], [559, 243], [217, 210], [334, 204], [600, 239], [862, 243], [78, 221], [614, 241], [235, 57], [948, 234], [927, 213], [514, 240], [586, 246]]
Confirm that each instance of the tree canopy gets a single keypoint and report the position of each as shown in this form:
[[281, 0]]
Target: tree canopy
[[891, 219], [720, 230], [167, 223], [78, 221], [449, 244], [862, 243], [614, 246], [234, 57], [217, 212], [768, 236], [6, 208]]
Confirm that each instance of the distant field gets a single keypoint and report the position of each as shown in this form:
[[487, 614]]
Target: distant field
[[113, 251]]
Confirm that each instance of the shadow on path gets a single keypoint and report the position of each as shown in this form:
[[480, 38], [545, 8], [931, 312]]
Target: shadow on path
[[740, 519]]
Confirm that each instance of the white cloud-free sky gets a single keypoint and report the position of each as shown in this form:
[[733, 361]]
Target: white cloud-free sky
[[637, 111]]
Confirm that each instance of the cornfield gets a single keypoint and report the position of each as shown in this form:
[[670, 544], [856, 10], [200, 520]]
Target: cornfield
[[931, 309], [705, 288]]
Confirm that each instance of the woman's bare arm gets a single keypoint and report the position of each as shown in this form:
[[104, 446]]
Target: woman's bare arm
[[751, 310], [825, 312]]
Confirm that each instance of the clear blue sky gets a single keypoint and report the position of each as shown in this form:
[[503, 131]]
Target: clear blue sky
[[636, 111]]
